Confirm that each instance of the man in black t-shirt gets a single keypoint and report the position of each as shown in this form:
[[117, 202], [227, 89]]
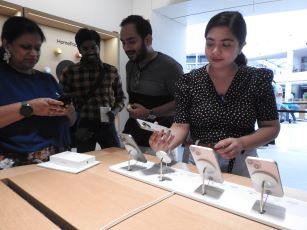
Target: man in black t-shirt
[[151, 78]]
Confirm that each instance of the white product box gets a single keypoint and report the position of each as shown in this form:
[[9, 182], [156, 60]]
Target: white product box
[[72, 159], [70, 162]]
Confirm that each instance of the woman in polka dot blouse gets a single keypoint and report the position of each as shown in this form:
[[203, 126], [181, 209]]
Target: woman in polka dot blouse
[[219, 104]]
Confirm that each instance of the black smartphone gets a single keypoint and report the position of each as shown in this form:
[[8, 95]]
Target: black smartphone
[[66, 99]]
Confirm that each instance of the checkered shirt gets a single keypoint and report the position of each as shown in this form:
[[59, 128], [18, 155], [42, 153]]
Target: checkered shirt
[[78, 79]]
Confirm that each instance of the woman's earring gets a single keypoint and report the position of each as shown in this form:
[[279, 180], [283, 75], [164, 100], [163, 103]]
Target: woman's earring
[[7, 56]]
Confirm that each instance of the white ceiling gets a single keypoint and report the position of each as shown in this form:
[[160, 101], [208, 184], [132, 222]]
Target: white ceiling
[[191, 12]]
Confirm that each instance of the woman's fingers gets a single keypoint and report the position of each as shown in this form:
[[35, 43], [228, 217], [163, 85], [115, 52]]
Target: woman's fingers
[[160, 140], [228, 148]]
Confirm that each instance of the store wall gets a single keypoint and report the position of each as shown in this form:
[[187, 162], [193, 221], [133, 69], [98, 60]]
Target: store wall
[[98, 13], [49, 58], [107, 15], [168, 36], [2, 19]]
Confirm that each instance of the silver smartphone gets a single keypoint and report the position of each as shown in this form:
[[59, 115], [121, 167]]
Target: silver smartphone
[[206, 163], [265, 173], [132, 147], [150, 126]]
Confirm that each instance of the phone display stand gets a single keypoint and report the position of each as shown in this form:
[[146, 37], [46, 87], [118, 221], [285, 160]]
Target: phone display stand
[[132, 153], [266, 182], [242, 200], [208, 169], [132, 148], [265, 177], [207, 166], [164, 158]]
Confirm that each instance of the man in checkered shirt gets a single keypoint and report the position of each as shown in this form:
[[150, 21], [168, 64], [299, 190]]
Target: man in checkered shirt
[[93, 84]]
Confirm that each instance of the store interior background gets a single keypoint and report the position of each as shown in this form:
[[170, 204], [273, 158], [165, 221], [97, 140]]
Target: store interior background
[[171, 20]]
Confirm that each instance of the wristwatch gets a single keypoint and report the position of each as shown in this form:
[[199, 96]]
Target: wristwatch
[[151, 115], [25, 109]]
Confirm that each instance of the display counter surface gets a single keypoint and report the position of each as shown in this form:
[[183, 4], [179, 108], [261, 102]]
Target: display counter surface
[[97, 197], [279, 212], [178, 212], [16, 213], [87, 200]]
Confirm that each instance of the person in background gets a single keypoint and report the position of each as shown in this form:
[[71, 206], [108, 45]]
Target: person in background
[[33, 123], [278, 91], [151, 77], [284, 106], [221, 102], [292, 107], [93, 84]]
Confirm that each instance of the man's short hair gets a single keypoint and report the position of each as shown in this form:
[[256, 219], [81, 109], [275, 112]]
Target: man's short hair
[[142, 25], [85, 34]]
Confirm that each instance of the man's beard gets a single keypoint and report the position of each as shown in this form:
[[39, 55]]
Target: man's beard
[[141, 55]]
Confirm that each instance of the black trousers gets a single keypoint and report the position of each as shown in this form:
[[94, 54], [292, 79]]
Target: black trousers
[[105, 135]]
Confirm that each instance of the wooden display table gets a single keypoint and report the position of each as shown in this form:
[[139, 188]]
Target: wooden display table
[[87, 200], [16, 213], [178, 213], [98, 197]]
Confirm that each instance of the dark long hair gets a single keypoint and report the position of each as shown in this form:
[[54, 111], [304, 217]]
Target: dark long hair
[[236, 24], [14, 27]]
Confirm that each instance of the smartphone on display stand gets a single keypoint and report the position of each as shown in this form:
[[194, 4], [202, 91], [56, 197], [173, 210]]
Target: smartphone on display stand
[[206, 163], [265, 175], [132, 147]]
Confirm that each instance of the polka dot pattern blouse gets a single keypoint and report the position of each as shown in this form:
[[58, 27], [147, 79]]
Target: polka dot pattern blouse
[[212, 117]]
